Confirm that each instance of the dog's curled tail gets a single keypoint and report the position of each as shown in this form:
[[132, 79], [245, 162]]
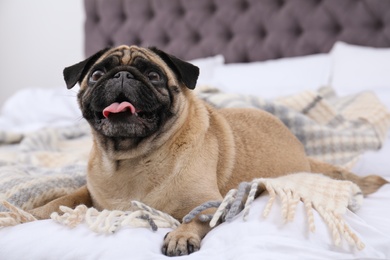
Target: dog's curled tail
[[368, 184]]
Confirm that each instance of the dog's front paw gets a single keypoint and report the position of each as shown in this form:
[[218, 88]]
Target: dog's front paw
[[178, 243]]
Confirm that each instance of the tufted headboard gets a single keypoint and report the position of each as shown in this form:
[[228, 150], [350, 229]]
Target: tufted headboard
[[241, 30]]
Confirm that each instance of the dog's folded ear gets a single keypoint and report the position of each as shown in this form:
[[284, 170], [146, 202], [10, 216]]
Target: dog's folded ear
[[76, 73], [186, 72]]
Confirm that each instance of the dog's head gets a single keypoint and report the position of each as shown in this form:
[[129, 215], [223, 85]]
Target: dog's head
[[128, 91]]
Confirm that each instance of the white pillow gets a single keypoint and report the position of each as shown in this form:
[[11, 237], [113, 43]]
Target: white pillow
[[274, 78], [357, 68], [207, 67]]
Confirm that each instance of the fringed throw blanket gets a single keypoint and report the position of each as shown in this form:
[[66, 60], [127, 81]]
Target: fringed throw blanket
[[52, 162], [290, 189]]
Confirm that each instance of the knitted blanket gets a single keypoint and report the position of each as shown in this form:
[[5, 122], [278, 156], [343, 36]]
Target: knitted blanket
[[332, 129], [290, 189], [50, 163]]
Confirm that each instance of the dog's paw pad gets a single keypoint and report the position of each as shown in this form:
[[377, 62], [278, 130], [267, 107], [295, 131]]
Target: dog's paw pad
[[177, 244]]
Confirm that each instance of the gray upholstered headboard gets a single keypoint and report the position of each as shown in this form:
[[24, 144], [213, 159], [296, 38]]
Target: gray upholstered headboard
[[241, 30]]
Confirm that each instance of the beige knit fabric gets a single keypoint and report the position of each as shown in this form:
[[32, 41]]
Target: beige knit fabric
[[329, 197]]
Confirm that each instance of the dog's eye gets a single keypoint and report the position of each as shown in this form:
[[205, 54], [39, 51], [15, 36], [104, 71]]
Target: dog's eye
[[153, 76], [96, 75]]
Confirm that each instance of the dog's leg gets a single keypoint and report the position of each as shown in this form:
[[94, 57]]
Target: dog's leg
[[80, 196], [186, 238], [368, 184]]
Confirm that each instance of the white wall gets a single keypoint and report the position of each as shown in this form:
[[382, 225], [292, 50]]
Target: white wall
[[38, 38]]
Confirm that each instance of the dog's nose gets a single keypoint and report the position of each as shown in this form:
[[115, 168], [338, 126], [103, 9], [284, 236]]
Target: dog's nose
[[124, 75]]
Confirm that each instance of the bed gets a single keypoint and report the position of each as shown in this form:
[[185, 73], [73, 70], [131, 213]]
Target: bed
[[278, 55]]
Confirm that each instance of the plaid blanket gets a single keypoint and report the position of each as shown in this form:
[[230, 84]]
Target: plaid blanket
[[332, 129], [41, 166]]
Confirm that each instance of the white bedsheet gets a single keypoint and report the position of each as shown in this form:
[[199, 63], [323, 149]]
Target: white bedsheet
[[34, 108]]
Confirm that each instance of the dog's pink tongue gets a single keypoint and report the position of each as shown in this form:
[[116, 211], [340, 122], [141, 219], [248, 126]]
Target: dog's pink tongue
[[118, 108]]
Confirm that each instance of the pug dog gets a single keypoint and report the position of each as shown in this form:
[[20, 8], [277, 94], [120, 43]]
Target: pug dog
[[154, 141]]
